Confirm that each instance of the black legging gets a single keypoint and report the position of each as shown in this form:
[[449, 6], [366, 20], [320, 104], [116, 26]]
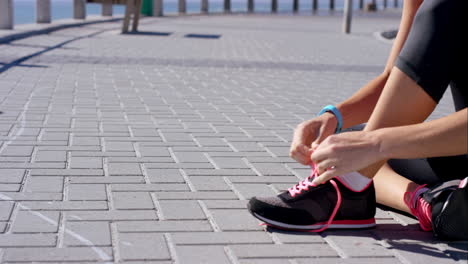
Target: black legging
[[434, 56]]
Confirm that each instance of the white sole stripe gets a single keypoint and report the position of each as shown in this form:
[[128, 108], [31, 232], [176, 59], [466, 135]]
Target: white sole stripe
[[312, 227]]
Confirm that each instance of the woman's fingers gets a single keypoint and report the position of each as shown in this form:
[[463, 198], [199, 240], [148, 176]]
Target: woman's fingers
[[301, 153], [324, 177], [325, 165]]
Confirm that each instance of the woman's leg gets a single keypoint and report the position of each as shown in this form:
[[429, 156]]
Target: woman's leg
[[403, 102], [390, 188]]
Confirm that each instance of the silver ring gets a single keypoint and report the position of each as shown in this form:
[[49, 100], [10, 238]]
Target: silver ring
[[333, 167]]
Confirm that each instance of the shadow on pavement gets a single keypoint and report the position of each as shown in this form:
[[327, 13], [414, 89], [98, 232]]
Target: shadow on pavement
[[149, 33], [395, 237], [203, 36]]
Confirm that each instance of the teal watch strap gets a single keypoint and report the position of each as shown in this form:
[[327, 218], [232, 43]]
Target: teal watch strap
[[336, 113]]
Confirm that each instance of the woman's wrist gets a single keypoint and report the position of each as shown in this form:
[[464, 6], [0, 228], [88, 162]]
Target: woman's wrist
[[336, 113], [378, 140]]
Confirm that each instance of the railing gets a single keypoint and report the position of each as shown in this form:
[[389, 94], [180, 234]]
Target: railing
[[43, 9]]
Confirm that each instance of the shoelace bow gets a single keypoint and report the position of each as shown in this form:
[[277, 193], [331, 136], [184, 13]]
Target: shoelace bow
[[420, 208], [305, 184]]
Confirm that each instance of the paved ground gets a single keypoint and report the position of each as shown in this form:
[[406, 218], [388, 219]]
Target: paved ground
[[147, 147]]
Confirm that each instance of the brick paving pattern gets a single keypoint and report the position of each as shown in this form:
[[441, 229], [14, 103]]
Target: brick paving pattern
[[146, 147]]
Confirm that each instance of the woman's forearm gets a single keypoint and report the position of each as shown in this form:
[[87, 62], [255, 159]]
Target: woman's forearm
[[358, 108], [446, 136]]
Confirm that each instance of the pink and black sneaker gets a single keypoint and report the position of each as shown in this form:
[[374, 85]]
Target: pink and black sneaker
[[305, 207], [442, 209]]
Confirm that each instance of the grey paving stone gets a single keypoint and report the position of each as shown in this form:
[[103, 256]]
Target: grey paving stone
[[67, 172], [181, 210], [11, 187], [230, 163], [58, 254], [164, 226], [118, 146], [5, 210], [86, 162], [299, 237], [271, 169], [124, 169], [43, 196], [85, 141], [67, 205], [214, 195], [35, 222], [112, 215], [221, 238], [250, 190], [141, 159], [44, 184], [54, 136], [235, 220], [370, 260], [268, 261], [138, 246], [27, 240], [165, 176], [165, 187], [109, 179], [283, 251], [47, 156], [264, 179], [153, 151], [14, 165], [209, 183], [202, 254], [186, 165], [98, 233], [18, 151], [211, 141], [87, 192], [226, 204], [183, 157], [132, 200], [12, 175], [220, 172]]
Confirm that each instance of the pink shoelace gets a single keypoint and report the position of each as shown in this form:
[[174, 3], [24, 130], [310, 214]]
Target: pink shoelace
[[421, 209], [305, 184]]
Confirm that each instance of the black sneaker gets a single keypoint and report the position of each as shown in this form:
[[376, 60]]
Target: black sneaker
[[305, 207], [449, 204]]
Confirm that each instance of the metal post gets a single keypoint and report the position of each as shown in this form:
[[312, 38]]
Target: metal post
[[314, 5], [274, 6], [204, 6], [250, 6], [348, 13], [361, 4], [79, 9], [227, 6], [295, 5], [107, 8], [43, 11], [384, 3], [136, 15], [332, 4], [6, 14], [395, 3], [158, 7], [182, 7]]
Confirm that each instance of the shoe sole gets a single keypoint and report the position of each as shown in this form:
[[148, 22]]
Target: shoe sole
[[337, 224]]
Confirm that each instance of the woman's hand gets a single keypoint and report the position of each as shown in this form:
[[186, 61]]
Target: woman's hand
[[344, 153], [309, 133]]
